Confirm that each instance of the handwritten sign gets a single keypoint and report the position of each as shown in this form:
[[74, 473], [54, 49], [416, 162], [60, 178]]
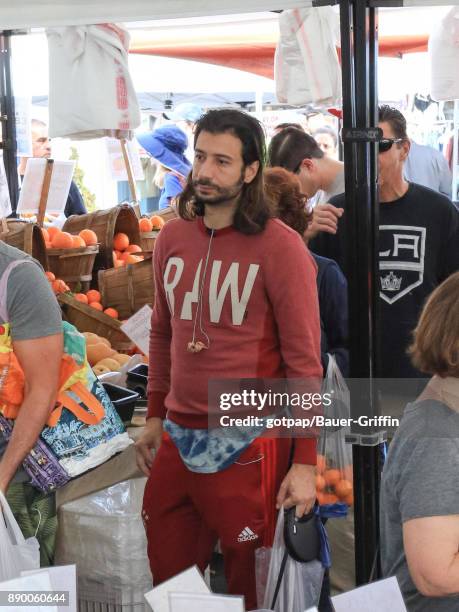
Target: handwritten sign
[[61, 179], [137, 328]]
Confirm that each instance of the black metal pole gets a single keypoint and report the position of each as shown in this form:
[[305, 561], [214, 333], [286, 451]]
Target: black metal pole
[[8, 120], [359, 56]]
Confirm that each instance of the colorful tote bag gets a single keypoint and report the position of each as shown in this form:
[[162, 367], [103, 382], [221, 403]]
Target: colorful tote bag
[[82, 431]]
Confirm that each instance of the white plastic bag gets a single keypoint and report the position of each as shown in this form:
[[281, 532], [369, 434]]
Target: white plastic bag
[[301, 583], [306, 65], [444, 57], [16, 553]]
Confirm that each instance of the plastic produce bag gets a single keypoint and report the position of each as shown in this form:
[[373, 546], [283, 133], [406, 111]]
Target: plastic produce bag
[[301, 583], [16, 553], [334, 457]]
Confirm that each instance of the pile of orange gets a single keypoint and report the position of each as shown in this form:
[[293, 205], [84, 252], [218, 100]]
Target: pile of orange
[[57, 284], [333, 485], [124, 252], [57, 239], [150, 224], [93, 299]]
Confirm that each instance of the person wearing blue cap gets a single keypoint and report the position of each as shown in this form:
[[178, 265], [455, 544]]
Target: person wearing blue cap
[[185, 116], [167, 146]]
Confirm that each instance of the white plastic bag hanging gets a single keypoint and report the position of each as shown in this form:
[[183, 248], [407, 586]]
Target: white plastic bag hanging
[[16, 553], [301, 583], [306, 64], [444, 57]]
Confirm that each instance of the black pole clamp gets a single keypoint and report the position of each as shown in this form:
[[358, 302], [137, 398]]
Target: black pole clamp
[[361, 134]]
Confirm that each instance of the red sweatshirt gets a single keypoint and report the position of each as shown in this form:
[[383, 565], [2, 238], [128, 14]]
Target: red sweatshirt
[[259, 309]]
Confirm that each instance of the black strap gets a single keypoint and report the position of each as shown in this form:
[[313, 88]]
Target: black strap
[[279, 579]]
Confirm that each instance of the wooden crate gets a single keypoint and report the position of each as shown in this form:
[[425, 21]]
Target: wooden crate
[[147, 241], [74, 266], [167, 213], [128, 288], [26, 237], [87, 319], [106, 223]]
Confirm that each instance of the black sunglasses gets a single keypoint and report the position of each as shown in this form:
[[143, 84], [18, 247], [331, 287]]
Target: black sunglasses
[[386, 143]]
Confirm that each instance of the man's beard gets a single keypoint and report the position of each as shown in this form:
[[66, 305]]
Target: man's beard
[[222, 194]]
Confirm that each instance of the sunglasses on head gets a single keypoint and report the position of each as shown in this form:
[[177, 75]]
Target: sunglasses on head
[[386, 143]]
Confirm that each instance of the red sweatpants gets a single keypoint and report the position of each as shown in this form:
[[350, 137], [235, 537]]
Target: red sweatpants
[[185, 513]]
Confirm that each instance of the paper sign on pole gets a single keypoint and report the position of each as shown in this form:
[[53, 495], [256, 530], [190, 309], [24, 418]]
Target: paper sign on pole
[[137, 328], [29, 198], [205, 602], [116, 161], [5, 203], [22, 106], [378, 596], [190, 581], [62, 578]]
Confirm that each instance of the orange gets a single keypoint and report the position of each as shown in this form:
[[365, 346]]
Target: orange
[[133, 248], [349, 499], [145, 225], [78, 242], [119, 263], [52, 231], [96, 305], [59, 286], [320, 482], [93, 296], [320, 498], [81, 298], [329, 498], [117, 254], [123, 256], [50, 276], [45, 234], [332, 477], [88, 236], [120, 241], [157, 222], [132, 259], [111, 312], [343, 488], [62, 240], [321, 464]]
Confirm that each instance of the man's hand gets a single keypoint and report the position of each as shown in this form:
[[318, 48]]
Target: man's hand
[[298, 489], [150, 440], [324, 219]]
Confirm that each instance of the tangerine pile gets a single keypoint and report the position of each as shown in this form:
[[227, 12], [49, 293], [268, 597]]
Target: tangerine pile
[[124, 252], [333, 485], [150, 224], [57, 239], [93, 298], [57, 284]]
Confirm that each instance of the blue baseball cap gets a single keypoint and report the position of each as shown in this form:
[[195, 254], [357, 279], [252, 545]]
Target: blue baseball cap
[[167, 145], [186, 111]]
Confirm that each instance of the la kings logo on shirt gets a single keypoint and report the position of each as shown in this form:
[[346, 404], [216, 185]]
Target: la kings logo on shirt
[[401, 260]]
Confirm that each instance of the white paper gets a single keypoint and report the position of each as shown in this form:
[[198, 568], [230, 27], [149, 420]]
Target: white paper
[[379, 596], [63, 578], [35, 582], [205, 602], [314, 609], [5, 203], [190, 581], [29, 198], [22, 106], [116, 160], [137, 328]]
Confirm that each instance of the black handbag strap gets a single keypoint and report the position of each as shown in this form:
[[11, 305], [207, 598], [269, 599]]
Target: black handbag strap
[[279, 579]]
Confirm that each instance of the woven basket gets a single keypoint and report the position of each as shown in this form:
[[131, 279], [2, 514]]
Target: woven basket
[[74, 266], [106, 223], [26, 237], [147, 241], [128, 288], [167, 213], [87, 319]]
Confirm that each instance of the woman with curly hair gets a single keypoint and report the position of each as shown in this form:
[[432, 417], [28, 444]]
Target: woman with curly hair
[[283, 189]]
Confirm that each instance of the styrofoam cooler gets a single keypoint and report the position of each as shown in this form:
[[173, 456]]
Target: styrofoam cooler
[[104, 536]]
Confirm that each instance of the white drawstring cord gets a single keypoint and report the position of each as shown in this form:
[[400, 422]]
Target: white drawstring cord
[[193, 346]]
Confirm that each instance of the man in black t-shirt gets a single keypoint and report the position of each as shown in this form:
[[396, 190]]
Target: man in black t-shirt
[[418, 242]]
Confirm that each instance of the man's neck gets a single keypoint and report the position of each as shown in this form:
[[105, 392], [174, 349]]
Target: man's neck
[[220, 216], [329, 170], [389, 192]]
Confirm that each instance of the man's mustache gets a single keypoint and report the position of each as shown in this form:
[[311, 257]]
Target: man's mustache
[[205, 183]]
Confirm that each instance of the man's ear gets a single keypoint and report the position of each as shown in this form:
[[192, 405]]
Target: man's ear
[[405, 146], [250, 171], [308, 164]]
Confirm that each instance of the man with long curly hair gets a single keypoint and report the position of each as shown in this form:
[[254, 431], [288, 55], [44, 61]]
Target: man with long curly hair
[[235, 299]]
